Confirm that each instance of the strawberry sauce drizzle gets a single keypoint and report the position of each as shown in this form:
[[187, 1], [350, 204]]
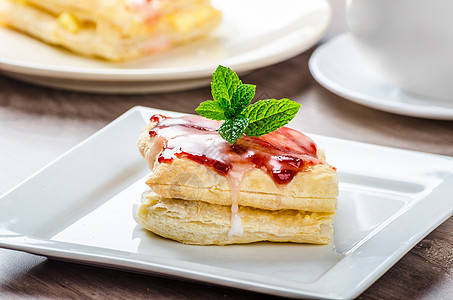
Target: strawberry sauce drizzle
[[282, 153]]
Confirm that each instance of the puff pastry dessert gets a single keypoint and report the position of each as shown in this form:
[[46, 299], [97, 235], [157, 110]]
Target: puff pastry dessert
[[277, 187], [112, 29]]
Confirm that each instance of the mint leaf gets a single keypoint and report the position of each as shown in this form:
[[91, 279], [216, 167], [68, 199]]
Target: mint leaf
[[232, 129], [224, 83], [231, 103], [211, 110], [242, 97], [269, 115]]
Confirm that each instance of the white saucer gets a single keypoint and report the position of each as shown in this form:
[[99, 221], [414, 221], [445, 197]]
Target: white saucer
[[246, 40], [337, 66]]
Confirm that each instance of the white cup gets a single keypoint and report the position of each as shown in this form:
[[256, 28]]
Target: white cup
[[408, 43]]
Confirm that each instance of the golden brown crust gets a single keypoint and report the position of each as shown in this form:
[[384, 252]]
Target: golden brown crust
[[314, 189], [201, 223]]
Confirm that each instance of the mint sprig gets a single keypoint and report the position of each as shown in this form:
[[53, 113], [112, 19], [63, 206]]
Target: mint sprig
[[231, 102]]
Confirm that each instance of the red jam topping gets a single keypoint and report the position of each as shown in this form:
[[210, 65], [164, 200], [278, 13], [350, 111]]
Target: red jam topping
[[282, 153], [157, 118]]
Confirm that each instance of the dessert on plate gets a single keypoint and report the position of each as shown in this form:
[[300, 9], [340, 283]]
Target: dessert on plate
[[112, 29], [205, 189]]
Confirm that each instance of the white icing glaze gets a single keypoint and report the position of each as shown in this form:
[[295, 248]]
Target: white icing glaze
[[236, 222], [234, 178], [155, 149]]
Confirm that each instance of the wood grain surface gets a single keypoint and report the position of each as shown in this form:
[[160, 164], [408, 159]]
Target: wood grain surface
[[37, 124]]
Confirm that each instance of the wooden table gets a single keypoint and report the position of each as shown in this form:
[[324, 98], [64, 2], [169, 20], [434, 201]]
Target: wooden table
[[37, 124]]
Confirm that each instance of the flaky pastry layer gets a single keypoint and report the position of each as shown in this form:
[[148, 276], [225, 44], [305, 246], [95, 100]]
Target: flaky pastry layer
[[201, 223], [313, 189]]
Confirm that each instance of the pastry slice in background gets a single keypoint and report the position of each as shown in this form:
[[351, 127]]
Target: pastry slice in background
[[114, 30]]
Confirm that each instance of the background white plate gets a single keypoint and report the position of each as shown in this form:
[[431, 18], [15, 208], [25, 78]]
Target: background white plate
[[389, 200], [253, 34], [337, 66]]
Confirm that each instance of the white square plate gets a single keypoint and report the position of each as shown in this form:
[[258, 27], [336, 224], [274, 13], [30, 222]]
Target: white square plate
[[79, 208]]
